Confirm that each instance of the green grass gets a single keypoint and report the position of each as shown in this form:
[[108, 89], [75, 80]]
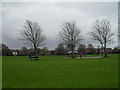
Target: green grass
[[58, 72]]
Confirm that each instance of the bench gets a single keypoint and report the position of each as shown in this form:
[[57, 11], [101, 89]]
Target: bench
[[33, 57]]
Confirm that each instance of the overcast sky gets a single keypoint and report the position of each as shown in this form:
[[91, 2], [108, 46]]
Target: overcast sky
[[50, 15]]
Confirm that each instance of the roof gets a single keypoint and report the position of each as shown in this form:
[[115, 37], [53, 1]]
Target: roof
[[71, 52]]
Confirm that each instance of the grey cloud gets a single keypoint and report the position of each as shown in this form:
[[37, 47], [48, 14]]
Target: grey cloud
[[50, 16]]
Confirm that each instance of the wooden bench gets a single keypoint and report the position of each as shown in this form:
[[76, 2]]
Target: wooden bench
[[33, 57]]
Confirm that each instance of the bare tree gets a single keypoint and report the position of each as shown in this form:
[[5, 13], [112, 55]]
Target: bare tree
[[101, 32], [32, 34], [70, 34]]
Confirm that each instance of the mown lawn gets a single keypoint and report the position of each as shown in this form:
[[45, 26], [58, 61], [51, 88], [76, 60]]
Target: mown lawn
[[58, 72]]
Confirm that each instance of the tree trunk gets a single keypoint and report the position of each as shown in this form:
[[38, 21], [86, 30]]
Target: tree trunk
[[105, 53], [72, 53], [102, 51], [35, 49]]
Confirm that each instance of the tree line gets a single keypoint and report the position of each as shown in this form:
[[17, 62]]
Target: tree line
[[59, 50], [70, 35]]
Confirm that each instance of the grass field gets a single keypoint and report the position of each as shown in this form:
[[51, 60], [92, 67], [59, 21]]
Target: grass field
[[58, 72]]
